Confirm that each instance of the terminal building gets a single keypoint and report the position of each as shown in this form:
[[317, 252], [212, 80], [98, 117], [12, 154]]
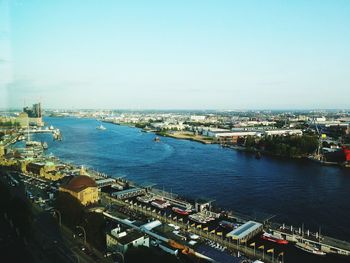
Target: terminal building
[[48, 170], [82, 187], [245, 231]]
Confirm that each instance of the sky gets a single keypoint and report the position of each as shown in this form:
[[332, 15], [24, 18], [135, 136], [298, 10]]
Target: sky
[[119, 54]]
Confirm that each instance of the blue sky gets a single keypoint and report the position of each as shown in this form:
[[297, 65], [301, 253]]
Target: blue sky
[[175, 54]]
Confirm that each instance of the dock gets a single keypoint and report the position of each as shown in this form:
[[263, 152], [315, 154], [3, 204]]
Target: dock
[[325, 243]]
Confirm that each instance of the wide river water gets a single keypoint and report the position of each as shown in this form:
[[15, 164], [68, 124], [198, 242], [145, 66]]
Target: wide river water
[[296, 191]]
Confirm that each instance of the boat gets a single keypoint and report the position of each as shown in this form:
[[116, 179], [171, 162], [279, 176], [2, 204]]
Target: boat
[[310, 249], [198, 219], [272, 238], [44, 145], [33, 144], [21, 138], [101, 127], [228, 225], [161, 204], [157, 139], [144, 199], [180, 211]]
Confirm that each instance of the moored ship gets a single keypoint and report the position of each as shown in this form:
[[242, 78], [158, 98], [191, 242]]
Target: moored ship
[[144, 199], [272, 238], [310, 249], [180, 211], [197, 218], [161, 204]]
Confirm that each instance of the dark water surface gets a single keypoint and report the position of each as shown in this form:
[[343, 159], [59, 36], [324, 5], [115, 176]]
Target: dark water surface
[[296, 191]]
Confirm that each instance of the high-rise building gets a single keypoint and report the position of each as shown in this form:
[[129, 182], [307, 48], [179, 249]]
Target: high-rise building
[[31, 115], [34, 111]]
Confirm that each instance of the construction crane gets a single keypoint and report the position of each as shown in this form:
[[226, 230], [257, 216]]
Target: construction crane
[[318, 156], [187, 251], [184, 249]]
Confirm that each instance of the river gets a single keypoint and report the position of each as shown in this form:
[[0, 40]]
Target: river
[[296, 191]]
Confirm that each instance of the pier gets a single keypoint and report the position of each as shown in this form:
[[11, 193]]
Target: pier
[[233, 245], [325, 243], [56, 133]]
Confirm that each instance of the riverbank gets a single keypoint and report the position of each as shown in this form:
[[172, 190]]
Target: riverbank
[[195, 169], [220, 215], [187, 136]]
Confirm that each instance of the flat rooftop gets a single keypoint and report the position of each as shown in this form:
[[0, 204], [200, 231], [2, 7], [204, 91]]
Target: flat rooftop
[[244, 230], [130, 237]]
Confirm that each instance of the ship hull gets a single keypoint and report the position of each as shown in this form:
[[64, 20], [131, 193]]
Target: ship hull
[[274, 239], [180, 211]]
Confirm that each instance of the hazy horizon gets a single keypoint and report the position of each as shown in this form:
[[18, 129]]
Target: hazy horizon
[[191, 55]]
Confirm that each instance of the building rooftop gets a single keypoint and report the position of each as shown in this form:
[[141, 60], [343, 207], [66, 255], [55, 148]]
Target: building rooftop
[[130, 237], [79, 183], [244, 230]]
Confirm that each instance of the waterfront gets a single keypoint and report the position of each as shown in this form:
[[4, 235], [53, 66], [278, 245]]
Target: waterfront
[[297, 191]]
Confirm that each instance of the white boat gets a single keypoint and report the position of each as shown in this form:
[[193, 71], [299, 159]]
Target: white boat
[[197, 218], [101, 127], [144, 199], [33, 144], [161, 204], [310, 249], [44, 145]]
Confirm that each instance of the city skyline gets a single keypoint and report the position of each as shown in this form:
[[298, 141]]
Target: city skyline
[[197, 55]]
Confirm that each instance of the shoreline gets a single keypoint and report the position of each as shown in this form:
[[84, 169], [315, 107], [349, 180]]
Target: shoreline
[[235, 147], [96, 174], [184, 137]]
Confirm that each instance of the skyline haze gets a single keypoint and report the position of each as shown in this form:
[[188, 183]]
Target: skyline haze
[[183, 55]]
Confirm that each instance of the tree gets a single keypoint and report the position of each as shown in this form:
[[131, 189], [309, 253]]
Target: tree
[[71, 209], [250, 142], [94, 224]]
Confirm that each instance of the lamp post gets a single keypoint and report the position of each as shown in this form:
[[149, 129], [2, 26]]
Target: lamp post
[[76, 256], [59, 217], [121, 254], [80, 227]]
